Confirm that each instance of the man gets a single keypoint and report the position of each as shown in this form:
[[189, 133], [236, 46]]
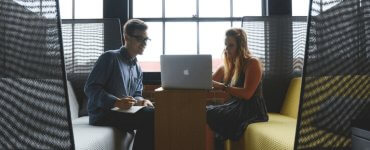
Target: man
[[116, 81]]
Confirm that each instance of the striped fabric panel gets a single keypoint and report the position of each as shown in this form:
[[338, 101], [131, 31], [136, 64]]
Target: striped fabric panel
[[336, 83], [279, 42], [33, 103]]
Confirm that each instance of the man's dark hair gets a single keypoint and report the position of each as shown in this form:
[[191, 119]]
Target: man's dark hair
[[132, 25]]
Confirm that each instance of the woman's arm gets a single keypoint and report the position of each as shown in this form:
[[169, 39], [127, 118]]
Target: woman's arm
[[217, 77], [253, 75], [219, 74]]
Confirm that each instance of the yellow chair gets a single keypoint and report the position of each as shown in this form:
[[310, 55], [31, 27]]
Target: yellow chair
[[279, 132]]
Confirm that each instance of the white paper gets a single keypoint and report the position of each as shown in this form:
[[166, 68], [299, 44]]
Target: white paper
[[132, 110]]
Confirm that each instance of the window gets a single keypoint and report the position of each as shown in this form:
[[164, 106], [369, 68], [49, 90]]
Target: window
[[181, 38], [83, 9], [179, 8], [220, 8], [74, 36], [155, 8], [213, 44], [189, 27], [251, 8], [300, 7], [66, 9]]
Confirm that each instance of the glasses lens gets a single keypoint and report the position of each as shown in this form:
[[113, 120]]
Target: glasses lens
[[141, 39]]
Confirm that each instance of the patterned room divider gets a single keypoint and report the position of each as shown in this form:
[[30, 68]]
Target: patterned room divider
[[278, 41], [336, 76], [34, 111]]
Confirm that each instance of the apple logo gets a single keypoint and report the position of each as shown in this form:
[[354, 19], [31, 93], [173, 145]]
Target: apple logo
[[186, 72]]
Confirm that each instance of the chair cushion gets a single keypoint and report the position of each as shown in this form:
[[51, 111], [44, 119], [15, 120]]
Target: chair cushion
[[278, 133], [73, 104], [291, 101], [78, 83], [81, 120], [82, 130], [89, 137]]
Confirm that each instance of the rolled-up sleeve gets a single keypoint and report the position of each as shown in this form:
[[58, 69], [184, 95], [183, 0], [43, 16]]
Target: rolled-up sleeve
[[94, 87]]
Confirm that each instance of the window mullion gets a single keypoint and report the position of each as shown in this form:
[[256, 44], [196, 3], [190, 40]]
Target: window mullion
[[163, 27], [231, 12], [73, 9], [197, 19]]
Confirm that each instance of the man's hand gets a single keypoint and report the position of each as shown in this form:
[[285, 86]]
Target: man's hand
[[145, 103], [125, 102]]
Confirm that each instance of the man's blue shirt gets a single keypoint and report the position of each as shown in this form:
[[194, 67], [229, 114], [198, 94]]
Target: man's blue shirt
[[115, 75]]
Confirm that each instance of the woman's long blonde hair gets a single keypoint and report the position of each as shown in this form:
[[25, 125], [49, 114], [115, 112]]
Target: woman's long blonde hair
[[235, 65]]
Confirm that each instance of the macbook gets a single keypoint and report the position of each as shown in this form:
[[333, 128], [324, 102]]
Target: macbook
[[186, 71]]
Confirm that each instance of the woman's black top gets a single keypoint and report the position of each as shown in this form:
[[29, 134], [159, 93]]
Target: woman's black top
[[230, 119]]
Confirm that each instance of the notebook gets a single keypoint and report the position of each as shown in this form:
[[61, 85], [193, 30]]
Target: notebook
[[131, 110]]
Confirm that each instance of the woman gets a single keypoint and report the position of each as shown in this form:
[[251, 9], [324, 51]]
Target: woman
[[240, 77]]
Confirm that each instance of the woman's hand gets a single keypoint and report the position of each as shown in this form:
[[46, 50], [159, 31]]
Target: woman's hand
[[218, 85]]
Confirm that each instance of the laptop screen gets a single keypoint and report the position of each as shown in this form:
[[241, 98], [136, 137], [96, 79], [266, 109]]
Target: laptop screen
[[186, 71]]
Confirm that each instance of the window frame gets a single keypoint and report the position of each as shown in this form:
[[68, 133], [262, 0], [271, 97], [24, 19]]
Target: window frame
[[74, 11], [195, 18], [154, 78]]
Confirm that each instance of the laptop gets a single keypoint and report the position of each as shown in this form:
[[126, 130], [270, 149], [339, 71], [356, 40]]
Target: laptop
[[186, 71]]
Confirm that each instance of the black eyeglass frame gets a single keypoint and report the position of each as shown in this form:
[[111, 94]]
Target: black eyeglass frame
[[140, 38]]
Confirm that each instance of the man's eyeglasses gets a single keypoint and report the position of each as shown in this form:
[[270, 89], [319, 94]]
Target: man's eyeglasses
[[141, 39]]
